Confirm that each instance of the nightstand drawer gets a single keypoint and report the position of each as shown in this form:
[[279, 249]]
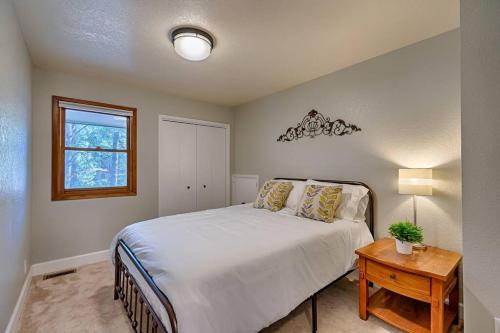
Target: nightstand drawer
[[408, 284]]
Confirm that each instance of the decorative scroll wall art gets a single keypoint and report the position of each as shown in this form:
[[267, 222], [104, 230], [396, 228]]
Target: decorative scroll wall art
[[314, 123]]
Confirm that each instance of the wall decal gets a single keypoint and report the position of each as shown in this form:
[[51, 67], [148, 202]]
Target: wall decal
[[314, 123]]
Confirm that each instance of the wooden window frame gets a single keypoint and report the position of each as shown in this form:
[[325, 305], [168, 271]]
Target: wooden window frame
[[58, 152]]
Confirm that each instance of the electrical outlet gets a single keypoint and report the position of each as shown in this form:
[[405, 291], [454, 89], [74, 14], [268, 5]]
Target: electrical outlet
[[25, 266], [497, 325]]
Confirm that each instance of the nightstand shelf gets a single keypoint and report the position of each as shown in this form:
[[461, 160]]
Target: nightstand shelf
[[414, 287], [405, 313]]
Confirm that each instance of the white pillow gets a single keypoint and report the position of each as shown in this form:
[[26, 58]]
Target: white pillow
[[293, 201], [353, 202]]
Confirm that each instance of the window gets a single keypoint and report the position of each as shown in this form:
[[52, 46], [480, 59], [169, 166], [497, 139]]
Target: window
[[93, 149]]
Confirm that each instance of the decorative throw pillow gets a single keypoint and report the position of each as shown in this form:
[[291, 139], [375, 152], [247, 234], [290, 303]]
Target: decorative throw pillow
[[273, 195], [320, 202], [353, 202]]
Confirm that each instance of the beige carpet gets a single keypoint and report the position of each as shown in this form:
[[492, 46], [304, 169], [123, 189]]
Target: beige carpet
[[83, 302]]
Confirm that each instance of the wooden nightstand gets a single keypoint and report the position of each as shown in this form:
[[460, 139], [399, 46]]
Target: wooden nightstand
[[414, 287]]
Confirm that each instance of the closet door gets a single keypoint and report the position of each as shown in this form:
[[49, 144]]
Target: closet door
[[177, 168], [211, 167]]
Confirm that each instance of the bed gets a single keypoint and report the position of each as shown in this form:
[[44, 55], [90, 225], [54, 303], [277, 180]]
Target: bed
[[233, 269]]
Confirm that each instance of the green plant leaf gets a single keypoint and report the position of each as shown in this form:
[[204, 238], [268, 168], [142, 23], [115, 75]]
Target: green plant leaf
[[405, 231]]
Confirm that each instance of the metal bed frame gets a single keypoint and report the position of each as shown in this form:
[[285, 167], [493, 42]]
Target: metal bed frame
[[143, 318]]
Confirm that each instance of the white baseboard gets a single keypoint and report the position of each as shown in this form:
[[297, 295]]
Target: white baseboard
[[14, 318], [71, 262]]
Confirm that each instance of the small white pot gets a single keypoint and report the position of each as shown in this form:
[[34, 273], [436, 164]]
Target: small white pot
[[404, 247]]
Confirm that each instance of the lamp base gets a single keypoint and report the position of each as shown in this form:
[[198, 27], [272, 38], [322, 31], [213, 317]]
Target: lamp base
[[419, 247]]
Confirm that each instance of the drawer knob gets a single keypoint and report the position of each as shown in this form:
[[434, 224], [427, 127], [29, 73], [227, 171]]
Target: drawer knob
[[392, 276]]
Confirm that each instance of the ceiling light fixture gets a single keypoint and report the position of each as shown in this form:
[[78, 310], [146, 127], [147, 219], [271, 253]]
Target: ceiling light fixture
[[192, 44]]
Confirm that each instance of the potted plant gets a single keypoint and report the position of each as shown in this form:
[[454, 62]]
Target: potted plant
[[406, 235]]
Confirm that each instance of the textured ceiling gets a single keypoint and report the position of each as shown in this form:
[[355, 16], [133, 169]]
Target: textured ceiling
[[263, 46]]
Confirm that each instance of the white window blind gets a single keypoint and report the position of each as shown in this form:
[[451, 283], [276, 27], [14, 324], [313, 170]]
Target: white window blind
[[97, 109]]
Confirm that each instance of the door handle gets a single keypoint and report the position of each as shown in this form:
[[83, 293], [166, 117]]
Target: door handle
[[392, 276], [189, 187], [204, 186]]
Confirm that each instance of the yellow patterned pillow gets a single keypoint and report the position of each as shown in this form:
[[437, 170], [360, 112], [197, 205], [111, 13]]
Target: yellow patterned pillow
[[273, 195], [320, 202]]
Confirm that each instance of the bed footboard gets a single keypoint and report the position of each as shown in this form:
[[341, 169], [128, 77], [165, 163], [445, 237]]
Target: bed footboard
[[142, 316]]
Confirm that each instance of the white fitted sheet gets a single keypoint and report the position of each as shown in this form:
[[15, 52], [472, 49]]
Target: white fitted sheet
[[239, 269]]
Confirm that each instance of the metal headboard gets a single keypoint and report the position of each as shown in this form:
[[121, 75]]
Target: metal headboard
[[369, 214]]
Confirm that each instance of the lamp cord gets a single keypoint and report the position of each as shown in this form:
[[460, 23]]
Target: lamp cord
[[414, 209]]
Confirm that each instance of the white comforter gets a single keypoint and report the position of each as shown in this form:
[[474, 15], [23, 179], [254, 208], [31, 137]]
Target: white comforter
[[239, 269]]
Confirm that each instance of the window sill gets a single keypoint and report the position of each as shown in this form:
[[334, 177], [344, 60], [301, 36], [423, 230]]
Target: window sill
[[93, 193]]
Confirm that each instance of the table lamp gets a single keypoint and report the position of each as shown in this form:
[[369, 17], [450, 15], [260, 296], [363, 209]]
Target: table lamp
[[415, 182]]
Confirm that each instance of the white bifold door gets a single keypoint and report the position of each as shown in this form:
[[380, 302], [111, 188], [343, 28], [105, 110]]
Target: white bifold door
[[210, 167], [192, 167]]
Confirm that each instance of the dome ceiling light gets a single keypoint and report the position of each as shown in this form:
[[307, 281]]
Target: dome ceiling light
[[192, 44]]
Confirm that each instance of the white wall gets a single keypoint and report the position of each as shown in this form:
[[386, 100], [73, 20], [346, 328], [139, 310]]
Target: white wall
[[15, 144], [68, 228], [407, 103], [480, 30]]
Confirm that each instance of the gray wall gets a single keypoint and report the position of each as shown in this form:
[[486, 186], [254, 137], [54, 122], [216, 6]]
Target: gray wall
[[15, 150], [67, 228], [480, 30], [407, 103]]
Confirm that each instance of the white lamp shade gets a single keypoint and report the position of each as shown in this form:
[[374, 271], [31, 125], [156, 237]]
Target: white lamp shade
[[415, 181], [192, 46]]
